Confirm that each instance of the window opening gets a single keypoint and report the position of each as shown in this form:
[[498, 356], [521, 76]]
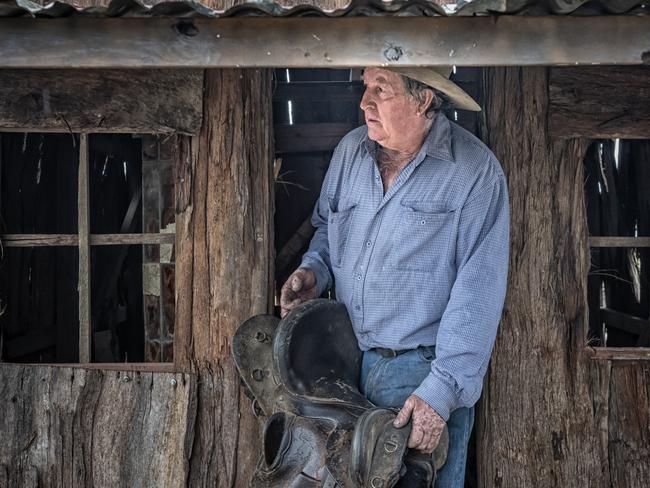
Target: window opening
[[121, 262], [618, 216]]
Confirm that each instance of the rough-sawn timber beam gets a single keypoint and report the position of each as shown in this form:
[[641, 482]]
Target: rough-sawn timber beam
[[140, 101], [323, 42]]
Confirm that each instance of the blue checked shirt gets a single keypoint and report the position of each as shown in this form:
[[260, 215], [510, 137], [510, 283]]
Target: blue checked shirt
[[423, 264]]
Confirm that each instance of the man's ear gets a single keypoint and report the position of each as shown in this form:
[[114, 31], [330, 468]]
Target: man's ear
[[426, 103]]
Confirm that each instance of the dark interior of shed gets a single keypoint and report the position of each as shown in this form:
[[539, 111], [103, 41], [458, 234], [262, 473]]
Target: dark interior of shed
[[130, 188], [618, 205]]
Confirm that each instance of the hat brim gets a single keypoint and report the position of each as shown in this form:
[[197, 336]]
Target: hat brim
[[456, 95]]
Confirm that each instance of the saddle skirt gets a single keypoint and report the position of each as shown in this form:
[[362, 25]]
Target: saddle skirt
[[303, 374]]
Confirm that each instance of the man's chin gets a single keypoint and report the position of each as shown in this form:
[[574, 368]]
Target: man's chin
[[375, 135]]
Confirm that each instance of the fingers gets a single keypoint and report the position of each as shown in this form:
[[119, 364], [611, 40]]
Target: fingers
[[427, 425], [296, 281], [433, 442], [404, 414], [416, 438], [299, 287]]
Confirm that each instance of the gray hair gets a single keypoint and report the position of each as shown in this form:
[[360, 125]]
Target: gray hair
[[416, 90]]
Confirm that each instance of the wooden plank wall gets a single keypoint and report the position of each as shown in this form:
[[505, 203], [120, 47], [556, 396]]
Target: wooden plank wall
[[627, 394], [551, 416], [70, 427]]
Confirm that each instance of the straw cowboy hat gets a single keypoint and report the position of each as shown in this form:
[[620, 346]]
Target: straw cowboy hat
[[438, 79]]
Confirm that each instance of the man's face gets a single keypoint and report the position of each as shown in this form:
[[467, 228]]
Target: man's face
[[391, 115]]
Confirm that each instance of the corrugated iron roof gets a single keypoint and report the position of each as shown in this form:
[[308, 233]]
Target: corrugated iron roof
[[329, 8]]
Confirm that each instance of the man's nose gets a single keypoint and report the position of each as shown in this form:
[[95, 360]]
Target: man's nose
[[366, 101]]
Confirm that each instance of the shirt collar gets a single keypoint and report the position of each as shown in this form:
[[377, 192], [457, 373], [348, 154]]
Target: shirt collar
[[437, 144]]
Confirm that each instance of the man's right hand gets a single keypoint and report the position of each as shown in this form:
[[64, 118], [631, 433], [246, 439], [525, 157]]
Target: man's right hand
[[299, 287]]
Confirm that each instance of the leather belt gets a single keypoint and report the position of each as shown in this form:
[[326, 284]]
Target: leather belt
[[390, 353], [393, 353]]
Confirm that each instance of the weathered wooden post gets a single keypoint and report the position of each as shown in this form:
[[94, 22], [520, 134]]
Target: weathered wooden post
[[538, 423], [224, 263]]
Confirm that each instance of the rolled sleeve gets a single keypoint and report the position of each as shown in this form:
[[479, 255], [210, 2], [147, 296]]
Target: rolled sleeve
[[469, 324]]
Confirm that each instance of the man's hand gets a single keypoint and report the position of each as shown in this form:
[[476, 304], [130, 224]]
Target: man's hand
[[299, 287], [427, 425]]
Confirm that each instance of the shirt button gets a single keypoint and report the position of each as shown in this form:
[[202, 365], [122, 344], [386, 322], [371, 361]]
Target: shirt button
[[358, 277], [423, 222], [357, 308], [368, 243]]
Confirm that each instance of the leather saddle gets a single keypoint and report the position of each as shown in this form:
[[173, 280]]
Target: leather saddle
[[303, 373]]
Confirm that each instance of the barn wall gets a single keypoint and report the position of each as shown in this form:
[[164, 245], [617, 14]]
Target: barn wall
[[69, 427], [80, 428], [550, 415]]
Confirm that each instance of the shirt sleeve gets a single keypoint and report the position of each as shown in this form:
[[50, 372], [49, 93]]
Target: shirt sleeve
[[469, 324], [317, 257]]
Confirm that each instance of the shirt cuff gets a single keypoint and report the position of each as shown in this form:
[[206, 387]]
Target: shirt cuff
[[438, 394], [321, 273]]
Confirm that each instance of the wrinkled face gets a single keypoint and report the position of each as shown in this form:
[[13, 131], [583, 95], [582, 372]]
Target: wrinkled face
[[393, 117]]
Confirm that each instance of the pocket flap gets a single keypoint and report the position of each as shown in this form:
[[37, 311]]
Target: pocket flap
[[431, 207]]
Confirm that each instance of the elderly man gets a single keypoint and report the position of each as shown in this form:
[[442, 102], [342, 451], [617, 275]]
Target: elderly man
[[412, 227]]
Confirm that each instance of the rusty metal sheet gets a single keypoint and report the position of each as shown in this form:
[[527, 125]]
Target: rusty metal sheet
[[328, 8]]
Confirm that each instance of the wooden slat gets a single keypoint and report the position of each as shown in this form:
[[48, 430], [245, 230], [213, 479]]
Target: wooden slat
[[130, 239], [309, 137], [620, 353], [600, 102], [623, 321], [317, 91], [138, 367], [112, 101], [84, 254], [39, 240], [294, 245], [601, 241], [322, 42]]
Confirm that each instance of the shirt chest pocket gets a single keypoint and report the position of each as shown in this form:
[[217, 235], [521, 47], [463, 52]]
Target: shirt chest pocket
[[338, 229], [424, 237]]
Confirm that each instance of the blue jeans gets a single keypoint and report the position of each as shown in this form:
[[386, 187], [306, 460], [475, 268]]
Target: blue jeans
[[388, 382]]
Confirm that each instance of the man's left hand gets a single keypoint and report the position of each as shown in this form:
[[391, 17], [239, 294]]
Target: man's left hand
[[427, 425]]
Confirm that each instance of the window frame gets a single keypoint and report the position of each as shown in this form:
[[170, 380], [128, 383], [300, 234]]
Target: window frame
[[83, 240], [631, 353]]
